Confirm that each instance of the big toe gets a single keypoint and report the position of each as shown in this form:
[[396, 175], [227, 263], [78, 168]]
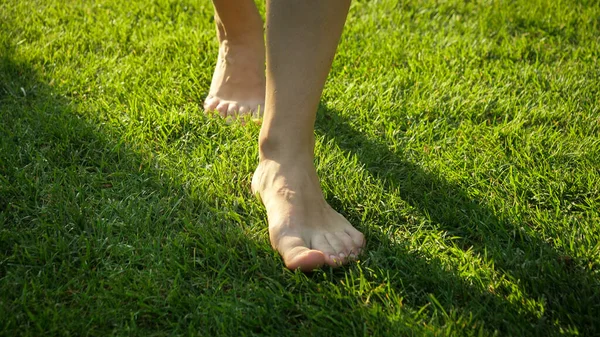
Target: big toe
[[296, 254], [304, 259], [210, 104]]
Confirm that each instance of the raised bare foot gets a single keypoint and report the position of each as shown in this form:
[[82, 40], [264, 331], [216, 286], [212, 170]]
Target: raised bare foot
[[238, 83], [305, 230]]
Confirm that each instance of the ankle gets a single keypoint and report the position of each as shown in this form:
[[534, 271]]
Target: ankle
[[247, 39], [284, 149]]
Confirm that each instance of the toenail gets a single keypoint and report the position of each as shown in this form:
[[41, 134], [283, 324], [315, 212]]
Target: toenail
[[352, 257], [342, 256], [333, 258]]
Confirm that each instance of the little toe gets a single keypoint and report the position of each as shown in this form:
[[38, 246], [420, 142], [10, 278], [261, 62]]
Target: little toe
[[357, 237], [351, 247]]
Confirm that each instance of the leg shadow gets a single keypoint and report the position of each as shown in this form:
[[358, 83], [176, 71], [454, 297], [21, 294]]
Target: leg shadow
[[570, 293], [96, 238]]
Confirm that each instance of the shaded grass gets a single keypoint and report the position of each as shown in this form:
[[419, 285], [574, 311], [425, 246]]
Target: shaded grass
[[460, 137]]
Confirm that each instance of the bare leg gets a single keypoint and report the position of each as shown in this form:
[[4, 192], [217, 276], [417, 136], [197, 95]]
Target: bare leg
[[302, 37], [238, 84]]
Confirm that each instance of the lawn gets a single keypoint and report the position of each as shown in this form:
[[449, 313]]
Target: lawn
[[462, 137]]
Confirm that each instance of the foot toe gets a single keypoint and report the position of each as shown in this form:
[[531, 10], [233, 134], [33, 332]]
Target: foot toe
[[338, 244], [296, 254], [357, 237], [243, 110], [233, 109], [210, 104], [320, 243], [304, 259], [222, 109], [351, 246]]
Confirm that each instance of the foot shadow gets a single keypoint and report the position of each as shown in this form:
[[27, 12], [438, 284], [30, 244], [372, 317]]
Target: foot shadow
[[570, 293]]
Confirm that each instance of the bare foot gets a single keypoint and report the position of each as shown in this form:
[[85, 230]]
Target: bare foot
[[305, 230], [238, 84]]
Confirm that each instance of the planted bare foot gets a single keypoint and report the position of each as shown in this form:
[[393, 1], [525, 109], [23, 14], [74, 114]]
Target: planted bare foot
[[305, 230], [238, 83]]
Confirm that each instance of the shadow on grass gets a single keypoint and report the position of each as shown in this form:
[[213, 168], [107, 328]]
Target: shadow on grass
[[570, 294], [96, 239]]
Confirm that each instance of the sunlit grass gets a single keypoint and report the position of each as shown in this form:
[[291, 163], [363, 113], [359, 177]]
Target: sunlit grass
[[462, 137]]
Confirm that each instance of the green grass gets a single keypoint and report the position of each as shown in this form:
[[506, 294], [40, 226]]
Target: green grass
[[462, 137]]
